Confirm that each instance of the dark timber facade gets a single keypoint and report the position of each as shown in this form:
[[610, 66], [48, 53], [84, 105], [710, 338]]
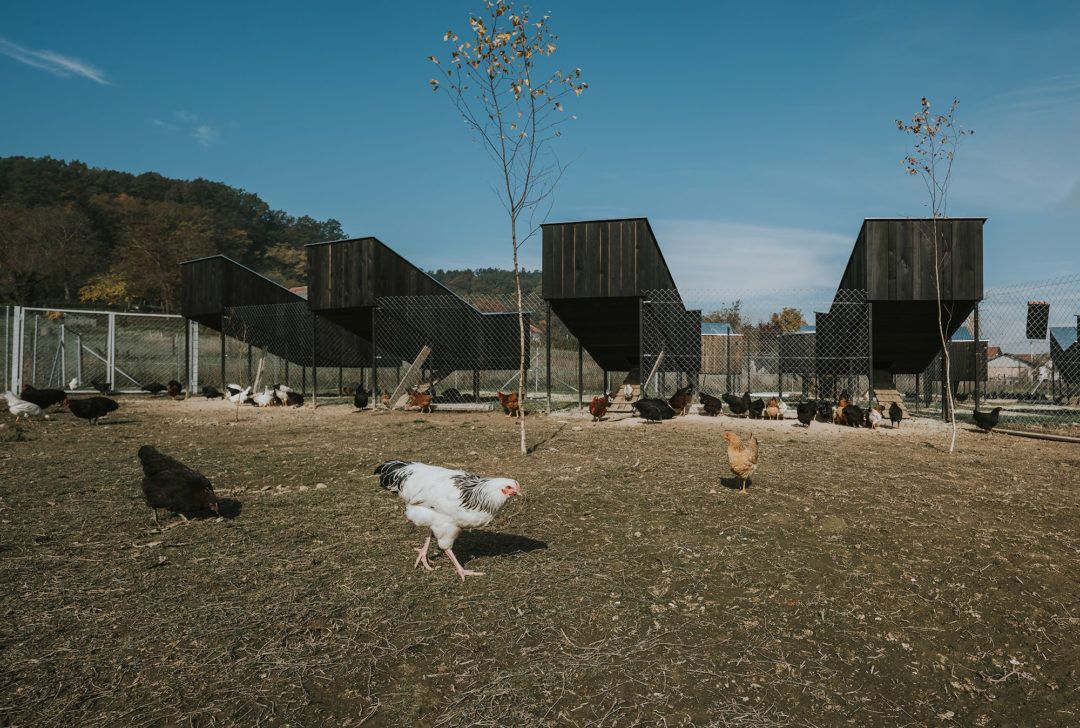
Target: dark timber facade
[[894, 263], [597, 276]]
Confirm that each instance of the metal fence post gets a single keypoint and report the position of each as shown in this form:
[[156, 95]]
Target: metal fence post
[[580, 375], [374, 357], [17, 322], [870, 395], [110, 367], [314, 360], [976, 368], [223, 381], [547, 344]]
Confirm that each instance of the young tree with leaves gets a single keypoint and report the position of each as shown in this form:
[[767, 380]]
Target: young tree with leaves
[[502, 80], [936, 141]]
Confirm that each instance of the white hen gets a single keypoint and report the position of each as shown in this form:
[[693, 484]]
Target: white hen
[[237, 395], [445, 501], [21, 408], [264, 398]]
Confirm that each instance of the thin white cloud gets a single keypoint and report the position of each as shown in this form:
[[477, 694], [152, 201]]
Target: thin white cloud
[[53, 62], [205, 135], [708, 257]]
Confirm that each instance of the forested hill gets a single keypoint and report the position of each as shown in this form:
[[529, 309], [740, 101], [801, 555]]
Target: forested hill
[[487, 281], [72, 233]]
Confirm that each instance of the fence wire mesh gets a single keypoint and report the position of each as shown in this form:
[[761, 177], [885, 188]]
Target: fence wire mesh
[[293, 346], [797, 345], [1018, 352], [78, 350]]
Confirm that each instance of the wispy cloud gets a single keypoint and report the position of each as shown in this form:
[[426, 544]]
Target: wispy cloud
[[717, 255], [205, 135], [188, 123], [53, 62]]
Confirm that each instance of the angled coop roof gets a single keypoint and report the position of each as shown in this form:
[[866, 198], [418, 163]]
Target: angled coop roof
[[348, 278], [211, 285]]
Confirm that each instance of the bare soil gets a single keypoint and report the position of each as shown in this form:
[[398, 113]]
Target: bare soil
[[866, 578]]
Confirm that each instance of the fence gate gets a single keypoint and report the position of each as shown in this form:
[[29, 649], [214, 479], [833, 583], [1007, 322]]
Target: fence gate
[[78, 350]]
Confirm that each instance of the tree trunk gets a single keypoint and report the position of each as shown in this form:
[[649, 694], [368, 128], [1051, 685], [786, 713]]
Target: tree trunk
[[946, 385], [521, 337]]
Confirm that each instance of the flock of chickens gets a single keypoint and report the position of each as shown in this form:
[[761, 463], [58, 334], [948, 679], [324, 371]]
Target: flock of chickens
[[843, 412]]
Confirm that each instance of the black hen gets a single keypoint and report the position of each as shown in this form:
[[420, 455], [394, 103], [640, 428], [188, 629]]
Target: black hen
[[961, 397], [756, 408], [212, 392], [825, 410], [654, 410], [171, 485], [710, 405], [294, 399], [42, 397], [853, 415], [986, 421], [154, 388], [737, 405], [895, 414], [806, 411], [103, 387], [174, 388], [360, 397], [91, 409]]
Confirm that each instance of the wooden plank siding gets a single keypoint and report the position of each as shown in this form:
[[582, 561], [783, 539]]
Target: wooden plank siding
[[602, 258], [894, 262], [596, 272], [211, 285]]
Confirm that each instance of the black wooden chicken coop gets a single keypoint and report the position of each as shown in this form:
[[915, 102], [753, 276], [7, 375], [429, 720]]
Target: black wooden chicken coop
[[609, 284], [407, 316]]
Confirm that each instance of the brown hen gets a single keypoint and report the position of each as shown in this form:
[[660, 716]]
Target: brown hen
[[742, 456]]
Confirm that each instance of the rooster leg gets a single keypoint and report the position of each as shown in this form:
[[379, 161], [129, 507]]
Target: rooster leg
[[462, 572], [153, 512], [742, 482], [421, 556]]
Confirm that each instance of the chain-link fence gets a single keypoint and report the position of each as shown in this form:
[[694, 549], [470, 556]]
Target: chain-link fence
[[1017, 351], [80, 350], [793, 344]]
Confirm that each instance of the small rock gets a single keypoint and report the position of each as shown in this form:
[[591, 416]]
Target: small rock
[[320, 486]]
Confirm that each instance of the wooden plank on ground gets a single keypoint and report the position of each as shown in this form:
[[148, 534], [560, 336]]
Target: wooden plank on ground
[[412, 371]]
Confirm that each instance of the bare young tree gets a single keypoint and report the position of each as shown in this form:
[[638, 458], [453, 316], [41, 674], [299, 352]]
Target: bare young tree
[[502, 80], [937, 139]]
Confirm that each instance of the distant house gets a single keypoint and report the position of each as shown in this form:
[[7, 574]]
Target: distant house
[[1008, 369]]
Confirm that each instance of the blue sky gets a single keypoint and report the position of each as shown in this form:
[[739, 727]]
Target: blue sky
[[755, 138]]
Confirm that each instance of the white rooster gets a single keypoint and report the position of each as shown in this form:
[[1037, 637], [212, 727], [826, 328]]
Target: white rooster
[[22, 408], [264, 398], [445, 501]]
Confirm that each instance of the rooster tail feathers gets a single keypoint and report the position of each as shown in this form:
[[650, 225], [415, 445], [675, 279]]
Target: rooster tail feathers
[[392, 474]]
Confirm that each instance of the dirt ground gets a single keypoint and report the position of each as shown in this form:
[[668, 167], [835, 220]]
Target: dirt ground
[[866, 578]]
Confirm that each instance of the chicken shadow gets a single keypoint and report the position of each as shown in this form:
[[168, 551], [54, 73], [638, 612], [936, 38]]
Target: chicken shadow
[[476, 544], [540, 444], [732, 483]]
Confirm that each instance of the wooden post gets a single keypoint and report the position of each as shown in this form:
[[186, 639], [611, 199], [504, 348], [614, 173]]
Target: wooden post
[[249, 364], [187, 359], [476, 385], [918, 395], [607, 382], [547, 345]]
